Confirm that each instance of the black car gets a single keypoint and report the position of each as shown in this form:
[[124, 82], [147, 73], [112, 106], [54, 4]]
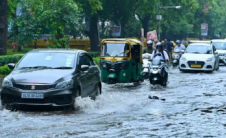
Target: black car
[[51, 78]]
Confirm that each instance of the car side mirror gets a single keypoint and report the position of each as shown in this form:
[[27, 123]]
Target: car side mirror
[[84, 67], [11, 65], [215, 52]]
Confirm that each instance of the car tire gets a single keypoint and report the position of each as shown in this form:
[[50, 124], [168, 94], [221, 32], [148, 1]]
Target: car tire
[[181, 70], [217, 67]]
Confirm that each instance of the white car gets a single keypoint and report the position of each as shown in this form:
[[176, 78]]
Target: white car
[[199, 56], [220, 45]]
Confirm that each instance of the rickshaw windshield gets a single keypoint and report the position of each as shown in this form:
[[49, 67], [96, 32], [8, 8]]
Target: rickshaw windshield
[[115, 50], [156, 60]]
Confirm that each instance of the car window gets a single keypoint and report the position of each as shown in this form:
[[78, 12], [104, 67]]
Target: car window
[[82, 60], [89, 60]]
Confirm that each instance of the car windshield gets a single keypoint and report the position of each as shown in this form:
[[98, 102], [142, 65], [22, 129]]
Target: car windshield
[[220, 45], [46, 59], [115, 50], [199, 49]]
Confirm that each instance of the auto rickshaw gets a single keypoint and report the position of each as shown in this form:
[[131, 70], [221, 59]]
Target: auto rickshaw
[[121, 61]]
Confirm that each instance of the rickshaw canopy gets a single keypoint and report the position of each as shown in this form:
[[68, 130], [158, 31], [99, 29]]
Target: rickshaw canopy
[[130, 41]]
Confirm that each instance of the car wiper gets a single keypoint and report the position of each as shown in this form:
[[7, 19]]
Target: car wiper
[[34, 67], [196, 52], [62, 67]]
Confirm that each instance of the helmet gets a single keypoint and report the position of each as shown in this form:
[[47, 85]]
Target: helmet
[[178, 42], [149, 42], [159, 44]]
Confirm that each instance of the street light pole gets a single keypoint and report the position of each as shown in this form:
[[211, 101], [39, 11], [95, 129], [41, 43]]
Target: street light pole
[[159, 17]]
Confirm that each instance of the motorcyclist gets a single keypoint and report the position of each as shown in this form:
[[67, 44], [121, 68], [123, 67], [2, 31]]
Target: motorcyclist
[[149, 48], [159, 49], [164, 56], [179, 46]]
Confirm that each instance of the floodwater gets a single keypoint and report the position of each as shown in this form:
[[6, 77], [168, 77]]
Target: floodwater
[[192, 105]]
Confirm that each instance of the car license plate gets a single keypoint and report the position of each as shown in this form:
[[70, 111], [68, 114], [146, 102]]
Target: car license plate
[[113, 60], [196, 66], [32, 96]]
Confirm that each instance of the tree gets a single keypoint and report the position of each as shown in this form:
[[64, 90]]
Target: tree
[[91, 9], [3, 27], [146, 10], [120, 12], [55, 16]]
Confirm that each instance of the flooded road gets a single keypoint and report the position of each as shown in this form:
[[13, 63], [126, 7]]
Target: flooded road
[[192, 105]]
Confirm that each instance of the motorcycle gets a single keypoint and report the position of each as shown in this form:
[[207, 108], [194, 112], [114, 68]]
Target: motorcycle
[[158, 74], [146, 62], [176, 57]]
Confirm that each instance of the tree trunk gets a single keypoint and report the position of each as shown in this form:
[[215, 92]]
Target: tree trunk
[[58, 37], [145, 23], [122, 35], [3, 27], [93, 34]]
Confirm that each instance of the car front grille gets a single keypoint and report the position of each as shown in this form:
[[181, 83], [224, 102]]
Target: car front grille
[[196, 63], [33, 87], [20, 100]]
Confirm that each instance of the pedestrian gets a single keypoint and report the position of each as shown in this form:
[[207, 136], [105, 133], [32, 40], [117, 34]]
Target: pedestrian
[[169, 46]]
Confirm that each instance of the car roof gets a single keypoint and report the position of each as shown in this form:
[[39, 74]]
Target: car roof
[[129, 40], [199, 41], [58, 50], [218, 40], [200, 44]]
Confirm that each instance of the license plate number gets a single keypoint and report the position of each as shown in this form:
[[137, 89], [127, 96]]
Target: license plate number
[[196, 66], [113, 60], [32, 96]]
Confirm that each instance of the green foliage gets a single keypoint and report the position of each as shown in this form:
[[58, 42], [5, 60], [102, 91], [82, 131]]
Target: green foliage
[[23, 51], [97, 60], [133, 28], [10, 59], [4, 70], [94, 54], [56, 16]]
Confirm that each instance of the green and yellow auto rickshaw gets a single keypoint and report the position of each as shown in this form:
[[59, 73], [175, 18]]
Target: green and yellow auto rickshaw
[[121, 61]]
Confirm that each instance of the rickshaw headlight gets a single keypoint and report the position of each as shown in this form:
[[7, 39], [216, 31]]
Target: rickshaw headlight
[[104, 65]]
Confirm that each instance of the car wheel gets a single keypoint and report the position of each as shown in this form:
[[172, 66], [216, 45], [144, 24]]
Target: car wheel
[[181, 70], [217, 67]]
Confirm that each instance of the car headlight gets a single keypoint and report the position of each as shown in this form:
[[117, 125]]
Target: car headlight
[[65, 84], [7, 83], [209, 59], [183, 59]]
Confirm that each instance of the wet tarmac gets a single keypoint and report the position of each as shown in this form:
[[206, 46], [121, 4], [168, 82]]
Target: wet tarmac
[[192, 105]]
